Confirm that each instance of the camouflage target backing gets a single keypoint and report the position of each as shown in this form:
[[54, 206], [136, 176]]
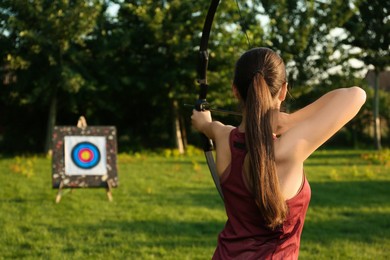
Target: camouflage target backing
[[84, 157]]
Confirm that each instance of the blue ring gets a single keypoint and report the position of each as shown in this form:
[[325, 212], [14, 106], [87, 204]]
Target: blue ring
[[85, 145]]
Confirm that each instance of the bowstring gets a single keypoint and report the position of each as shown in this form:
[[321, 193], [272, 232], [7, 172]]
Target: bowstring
[[243, 21]]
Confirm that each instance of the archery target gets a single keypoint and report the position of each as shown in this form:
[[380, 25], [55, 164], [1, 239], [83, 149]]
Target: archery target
[[85, 155]]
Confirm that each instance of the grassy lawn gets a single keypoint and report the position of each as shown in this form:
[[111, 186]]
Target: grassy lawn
[[166, 207]]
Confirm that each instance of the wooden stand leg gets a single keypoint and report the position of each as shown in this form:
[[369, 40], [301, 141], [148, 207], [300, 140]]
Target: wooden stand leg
[[109, 190], [59, 193]]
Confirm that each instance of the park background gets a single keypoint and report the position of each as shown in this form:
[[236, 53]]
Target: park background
[[132, 64]]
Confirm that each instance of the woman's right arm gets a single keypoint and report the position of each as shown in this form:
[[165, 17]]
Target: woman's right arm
[[310, 127]]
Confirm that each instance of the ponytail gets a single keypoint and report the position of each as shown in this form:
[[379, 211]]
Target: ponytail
[[260, 159]]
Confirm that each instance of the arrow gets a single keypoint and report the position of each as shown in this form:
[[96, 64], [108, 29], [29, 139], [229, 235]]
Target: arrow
[[206, 106]]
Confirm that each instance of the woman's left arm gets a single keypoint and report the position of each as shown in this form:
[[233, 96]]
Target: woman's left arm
[[217, 132], [201, 121]]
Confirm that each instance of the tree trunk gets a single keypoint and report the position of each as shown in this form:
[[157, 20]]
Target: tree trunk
[[183, 132], [51, 121], [177, 130], [377, 124]]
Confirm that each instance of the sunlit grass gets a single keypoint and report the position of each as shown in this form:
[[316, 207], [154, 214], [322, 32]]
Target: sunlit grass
[[166, 207]]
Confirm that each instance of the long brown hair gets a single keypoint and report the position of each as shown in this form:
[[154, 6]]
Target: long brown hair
[[259, 75]]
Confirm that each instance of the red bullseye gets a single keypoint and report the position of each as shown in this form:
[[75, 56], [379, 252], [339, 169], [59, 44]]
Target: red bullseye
[[85, 155]]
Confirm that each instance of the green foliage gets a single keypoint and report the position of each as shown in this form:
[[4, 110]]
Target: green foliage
[[381, 157], [300, 32], [46, 37], [384, 113], [23, 165], [134, 69], [193, 151], [368, 30], [168, 208], [44, 41]]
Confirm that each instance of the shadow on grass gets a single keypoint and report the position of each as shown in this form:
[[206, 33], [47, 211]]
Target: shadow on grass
[[350, 194], [357, 212], [204, 197], [336, 158], [324, 154], [353, 211], [151, 233], [334, 164]]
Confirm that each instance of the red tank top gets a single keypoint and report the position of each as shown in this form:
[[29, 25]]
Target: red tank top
[[245, 236]]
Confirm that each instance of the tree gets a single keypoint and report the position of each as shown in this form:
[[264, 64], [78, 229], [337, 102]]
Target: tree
[[301, 32], [48, 39], [368, 29], [159, 47]]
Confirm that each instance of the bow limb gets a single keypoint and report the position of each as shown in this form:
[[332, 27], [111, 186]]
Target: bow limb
[[201, 104]]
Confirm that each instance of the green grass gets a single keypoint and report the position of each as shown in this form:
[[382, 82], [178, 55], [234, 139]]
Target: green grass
[[166, 207]]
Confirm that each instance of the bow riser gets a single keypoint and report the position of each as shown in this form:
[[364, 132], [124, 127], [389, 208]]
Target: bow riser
[[201, 104]]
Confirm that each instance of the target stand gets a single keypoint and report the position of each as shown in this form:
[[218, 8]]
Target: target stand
[[84, 157]]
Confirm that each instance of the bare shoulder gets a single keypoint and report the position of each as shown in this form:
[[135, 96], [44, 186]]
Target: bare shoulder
[[220, 131], [310, 128], [221, 135]]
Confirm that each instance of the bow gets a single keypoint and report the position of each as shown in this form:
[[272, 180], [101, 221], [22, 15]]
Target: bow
[[201, 104]]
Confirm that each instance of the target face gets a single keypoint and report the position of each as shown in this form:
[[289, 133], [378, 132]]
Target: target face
[[85, 155]]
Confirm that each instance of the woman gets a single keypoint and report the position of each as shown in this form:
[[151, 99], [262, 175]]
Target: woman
[[260, 162]]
